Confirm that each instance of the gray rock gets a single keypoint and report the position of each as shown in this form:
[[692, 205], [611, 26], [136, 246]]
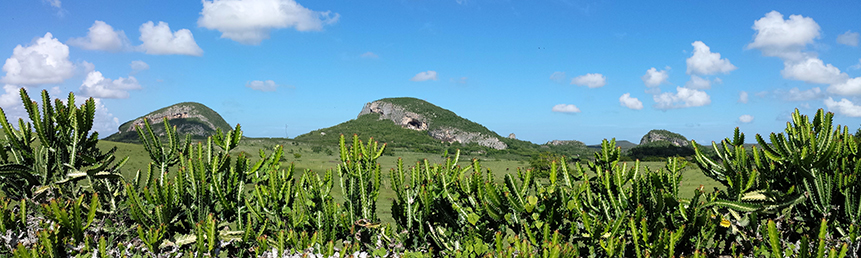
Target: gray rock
[[656, 135], [414, 121], [397, 114], [450, 135]]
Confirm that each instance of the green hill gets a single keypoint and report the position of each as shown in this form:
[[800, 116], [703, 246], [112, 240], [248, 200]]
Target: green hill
[[189, 118], [421, 126]]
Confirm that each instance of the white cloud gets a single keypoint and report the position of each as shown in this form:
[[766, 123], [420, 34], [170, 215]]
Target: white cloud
[[591, 80], [558, 77], [102, 37], [46, 61], [783, 38], [424, 76], [683, 98], [566, 108], [104, 121], [97, 86], [268, 85], [654, 78], [745, 119], [159, 40], [856, 66], [627, 101], [369, 54], [742, 97], [138, 66], [844, 107], [54, 3], [849, 38], [11, 103], [249, 21], [795, 94], [699, 83], [851, 87], [813, 70], [704, 62]]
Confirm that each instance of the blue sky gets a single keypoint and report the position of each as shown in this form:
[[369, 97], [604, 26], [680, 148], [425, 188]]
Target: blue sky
[[544, 70]]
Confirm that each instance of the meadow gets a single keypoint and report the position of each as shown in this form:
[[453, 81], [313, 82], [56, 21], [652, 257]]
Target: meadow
[[320, 161]]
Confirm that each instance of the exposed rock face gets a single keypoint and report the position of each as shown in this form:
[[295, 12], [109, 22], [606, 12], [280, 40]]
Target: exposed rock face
[[450, 135], [561, 142], [512, 136], [175, 112], [418, 122], [397, 114], [662, 135]]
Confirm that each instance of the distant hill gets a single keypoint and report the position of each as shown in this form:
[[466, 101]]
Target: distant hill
[[660, 144], [419, 125], [189, 118], [624, 144]]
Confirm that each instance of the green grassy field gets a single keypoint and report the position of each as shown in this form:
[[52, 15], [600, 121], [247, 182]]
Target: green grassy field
[[320, 161]]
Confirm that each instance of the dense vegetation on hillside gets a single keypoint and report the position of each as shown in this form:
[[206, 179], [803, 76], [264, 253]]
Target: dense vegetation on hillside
[[184, 125], [439, 117]]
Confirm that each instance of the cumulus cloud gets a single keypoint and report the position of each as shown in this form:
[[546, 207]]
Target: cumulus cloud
[[102, 37], [683, 98], [138, 66], [745, 119], [813, 70], [46, 61], [783, 38], [159, 40], [558, 77], [369, 54], [268, 85], [566, 108], [249, 21], [627, 101], [795, 94], [699, 83], [848, 38], [97, 86], [704, 62], [424, 76], [11, 103], [843, 107], [742, 97], [654, 78], [591, 80], [851, 87], [104, 121]]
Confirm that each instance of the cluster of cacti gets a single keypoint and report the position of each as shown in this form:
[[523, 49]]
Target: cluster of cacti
[[799, 186], [796, 196]]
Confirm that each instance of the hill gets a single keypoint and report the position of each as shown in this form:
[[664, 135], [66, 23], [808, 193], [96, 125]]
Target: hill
[[189, 118], [419, 125], [660, 144]]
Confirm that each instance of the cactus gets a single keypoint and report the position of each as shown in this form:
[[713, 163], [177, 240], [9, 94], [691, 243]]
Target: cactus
[[360, 176], [65, 163]]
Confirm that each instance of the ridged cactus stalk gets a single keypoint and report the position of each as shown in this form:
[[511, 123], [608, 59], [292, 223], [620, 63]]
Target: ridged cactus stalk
[[360, 178]]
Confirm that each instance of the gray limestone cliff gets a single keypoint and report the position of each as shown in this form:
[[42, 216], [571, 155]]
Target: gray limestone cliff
[[664, 135], [415, 121]]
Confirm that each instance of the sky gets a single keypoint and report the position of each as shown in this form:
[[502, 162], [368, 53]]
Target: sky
[[543, 70]]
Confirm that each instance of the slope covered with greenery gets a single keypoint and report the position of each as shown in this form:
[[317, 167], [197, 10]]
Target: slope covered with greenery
[[386, 131], [184, 125]]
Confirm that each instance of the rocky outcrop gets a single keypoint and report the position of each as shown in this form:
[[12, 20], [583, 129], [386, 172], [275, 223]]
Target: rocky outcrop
[[664, 135], [450, 135], [397, 114], [512, 136], [175, 112], [414, 121], [561, 142]]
